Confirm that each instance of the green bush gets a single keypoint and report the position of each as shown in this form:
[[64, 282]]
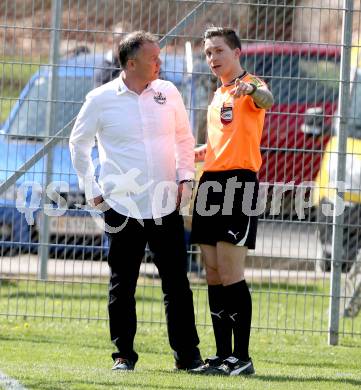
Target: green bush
[[15, 73]]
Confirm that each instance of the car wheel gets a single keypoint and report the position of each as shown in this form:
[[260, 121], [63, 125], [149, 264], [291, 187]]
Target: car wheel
[[6, 237], [324, 264]]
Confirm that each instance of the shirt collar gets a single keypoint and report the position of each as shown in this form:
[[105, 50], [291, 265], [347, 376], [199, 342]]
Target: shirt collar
[[122, 88], [243, 74]]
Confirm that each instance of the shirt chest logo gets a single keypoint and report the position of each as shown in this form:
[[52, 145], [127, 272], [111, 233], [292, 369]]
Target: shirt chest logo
[[160, 98], [226, 113]]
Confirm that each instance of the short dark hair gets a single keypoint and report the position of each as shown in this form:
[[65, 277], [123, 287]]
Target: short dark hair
[[131, 43], [229, 36]]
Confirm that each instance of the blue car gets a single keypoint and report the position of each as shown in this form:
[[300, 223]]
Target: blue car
[[73, 232]]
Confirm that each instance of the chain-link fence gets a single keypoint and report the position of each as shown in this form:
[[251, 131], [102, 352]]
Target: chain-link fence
[[305, 271]]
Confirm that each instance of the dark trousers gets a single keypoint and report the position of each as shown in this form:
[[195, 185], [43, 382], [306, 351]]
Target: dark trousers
[[126, 251]]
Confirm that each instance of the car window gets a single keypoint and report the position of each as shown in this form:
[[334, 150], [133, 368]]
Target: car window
[[296, 78], [31, 117]]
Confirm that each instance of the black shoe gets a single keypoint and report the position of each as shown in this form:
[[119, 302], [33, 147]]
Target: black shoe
[[123, 365], [209, 367], [233, 366], [190, 365]]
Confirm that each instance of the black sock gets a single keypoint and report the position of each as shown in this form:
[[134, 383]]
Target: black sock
[[222, 326], [239, 308]]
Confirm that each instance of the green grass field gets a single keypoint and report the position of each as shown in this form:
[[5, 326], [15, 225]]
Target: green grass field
[[14, 74], [52, 352], [56, 355]]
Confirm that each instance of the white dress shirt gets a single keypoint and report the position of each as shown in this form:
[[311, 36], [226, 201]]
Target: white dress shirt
[[145, 145]]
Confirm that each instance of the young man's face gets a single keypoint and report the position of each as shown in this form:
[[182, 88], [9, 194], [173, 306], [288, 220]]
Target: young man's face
[[221, 59], [146, 64]]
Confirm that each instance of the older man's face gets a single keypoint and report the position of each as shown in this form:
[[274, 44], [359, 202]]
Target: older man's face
[[147, 62]]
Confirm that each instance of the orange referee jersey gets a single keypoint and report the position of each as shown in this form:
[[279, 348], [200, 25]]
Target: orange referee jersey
[[235, 128]]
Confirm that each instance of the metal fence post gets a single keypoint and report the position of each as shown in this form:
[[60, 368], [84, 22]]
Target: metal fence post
[[50, 116], [337, 233]]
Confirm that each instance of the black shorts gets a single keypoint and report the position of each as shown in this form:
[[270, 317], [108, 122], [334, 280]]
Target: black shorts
[[225, 208]]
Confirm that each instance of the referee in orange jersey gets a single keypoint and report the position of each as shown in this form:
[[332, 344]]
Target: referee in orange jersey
[[224, 220]]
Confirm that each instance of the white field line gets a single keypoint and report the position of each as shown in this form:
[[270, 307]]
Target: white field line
[[9, 383]]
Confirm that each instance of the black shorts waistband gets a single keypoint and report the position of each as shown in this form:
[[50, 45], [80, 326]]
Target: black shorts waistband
[[244, 175]]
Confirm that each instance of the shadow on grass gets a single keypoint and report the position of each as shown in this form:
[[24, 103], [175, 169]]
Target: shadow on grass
[[50, 295], [314, 364], [6, 282], [143, 293], [288, 378], [284, 287], [73, 297], [116, 384], [33, 340], [348, 344], [43, 340]]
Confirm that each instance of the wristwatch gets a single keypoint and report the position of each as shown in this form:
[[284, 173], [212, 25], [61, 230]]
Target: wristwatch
[[186, 181], [254, 86]]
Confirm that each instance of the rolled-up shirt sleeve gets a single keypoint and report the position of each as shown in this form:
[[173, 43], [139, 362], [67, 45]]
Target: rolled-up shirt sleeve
[[184, 141], [81, 143]]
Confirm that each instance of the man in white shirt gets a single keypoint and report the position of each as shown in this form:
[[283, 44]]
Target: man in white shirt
[[146, 157]]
